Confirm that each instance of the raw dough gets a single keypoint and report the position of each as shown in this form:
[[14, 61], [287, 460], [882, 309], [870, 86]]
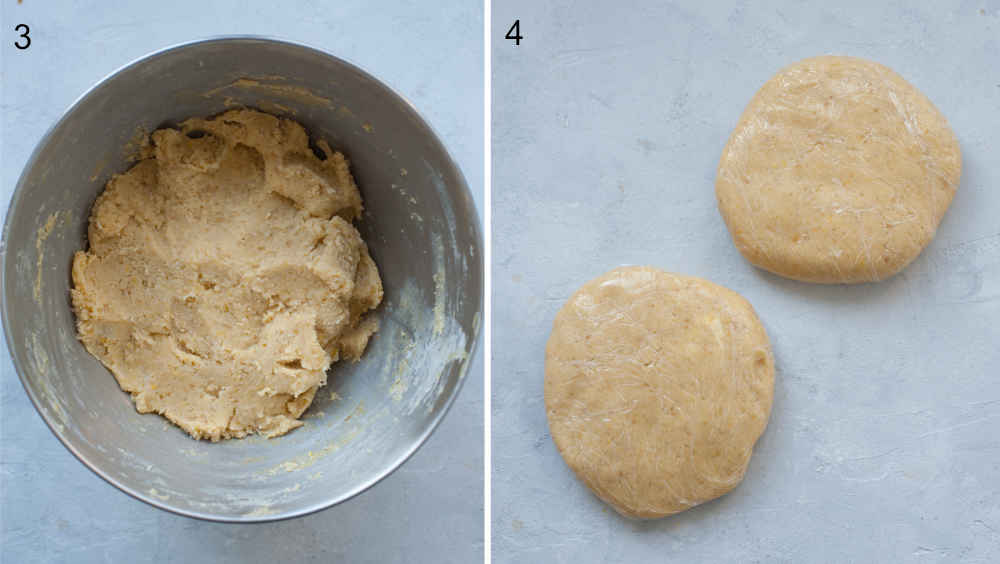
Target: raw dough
[[657, 386], [224, 275], [839, 171]]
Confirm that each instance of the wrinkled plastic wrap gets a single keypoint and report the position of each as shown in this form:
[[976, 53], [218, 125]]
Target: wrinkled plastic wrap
[[839, 171], [657, 387]]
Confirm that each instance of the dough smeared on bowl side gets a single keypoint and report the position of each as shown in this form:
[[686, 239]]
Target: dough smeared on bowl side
[[839, 171], [224, 275], [657, 387]]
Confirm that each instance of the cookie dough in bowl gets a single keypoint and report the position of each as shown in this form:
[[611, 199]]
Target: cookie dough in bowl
[[657, 387], [839, 171], [223, 275], [419, 224]]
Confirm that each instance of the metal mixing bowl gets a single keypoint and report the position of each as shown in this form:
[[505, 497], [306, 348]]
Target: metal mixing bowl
[[421, 227]]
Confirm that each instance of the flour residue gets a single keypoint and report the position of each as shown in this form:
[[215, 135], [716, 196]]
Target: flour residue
[[160, 496], [400, 382], [398, 387], [402, 192], [275, 108], [418, 355], [311, 457], [261, 511], [439, 286], [99, 168], [42, 236], [138, 146], [297, 93], [53, 404], [358, 410]]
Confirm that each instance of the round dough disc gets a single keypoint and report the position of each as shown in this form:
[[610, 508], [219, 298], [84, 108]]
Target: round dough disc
[[839, 171], [657, 386]]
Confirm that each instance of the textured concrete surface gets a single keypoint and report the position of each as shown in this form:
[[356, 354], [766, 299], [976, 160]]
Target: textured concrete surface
[[608, 126], [52, 509]]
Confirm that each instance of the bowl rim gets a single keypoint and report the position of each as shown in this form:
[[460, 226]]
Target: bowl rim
[[19, 191]]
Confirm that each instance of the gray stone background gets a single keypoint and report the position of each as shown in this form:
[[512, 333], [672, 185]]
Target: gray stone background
[[52, 509], [608, 123]]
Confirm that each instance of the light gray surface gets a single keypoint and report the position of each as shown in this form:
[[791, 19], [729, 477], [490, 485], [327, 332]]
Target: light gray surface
[[53, 509], [608, 126]]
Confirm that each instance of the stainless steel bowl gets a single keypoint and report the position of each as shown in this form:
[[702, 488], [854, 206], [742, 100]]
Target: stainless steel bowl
[[420, 224]]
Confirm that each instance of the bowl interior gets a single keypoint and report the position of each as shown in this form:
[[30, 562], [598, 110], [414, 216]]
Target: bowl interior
[[420, 225]]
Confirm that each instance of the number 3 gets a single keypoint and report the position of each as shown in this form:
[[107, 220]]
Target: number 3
[[24, 36]]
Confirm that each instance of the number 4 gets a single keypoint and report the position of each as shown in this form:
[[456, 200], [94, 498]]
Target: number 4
[[516, 30]]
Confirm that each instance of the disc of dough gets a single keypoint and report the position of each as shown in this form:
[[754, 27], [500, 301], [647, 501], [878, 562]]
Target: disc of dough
[[657, 387], [839, 171]]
